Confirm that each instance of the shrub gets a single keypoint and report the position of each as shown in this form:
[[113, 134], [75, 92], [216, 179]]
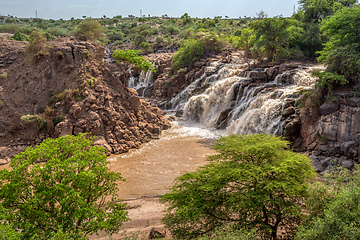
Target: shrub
[[3, 75], [89, 30], [20, 37], [38, 46], [9, 28], [253, 182], [205, 42], [328, 80], [38, 120], [145, 47], [344, 61], [189, 52], [333, 209], [133, 57], [67, 96], [60, 188], [210, 40], [231, 232]]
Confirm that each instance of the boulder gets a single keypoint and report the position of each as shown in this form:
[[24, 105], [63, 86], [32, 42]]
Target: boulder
[[349, 149], [157, 233], [354, 101], [315, 163], [223, 119], [331, 161], [328, 108], [287, 112], [347, 164], [257, 75], [64, 128]]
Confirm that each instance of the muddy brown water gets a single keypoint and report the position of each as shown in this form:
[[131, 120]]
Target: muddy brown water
[[153, 168]]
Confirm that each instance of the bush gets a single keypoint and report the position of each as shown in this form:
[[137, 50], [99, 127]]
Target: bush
[[3, 75], [329, 80], [61, 186], [345, 61], [139, 39], [231, 232], [253, 182], [334, 210], [38, 46], [89, 30], [145, 47], [189, 52], [20, 37], [341, 52], [133, 57], [38, 120]]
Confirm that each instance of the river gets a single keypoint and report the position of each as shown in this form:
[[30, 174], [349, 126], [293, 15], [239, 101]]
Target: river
[[152, 168]]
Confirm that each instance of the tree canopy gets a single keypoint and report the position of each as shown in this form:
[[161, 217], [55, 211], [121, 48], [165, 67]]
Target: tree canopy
[[63, 185], [334, 208], [133, 57], [90, 29], [253, 181]]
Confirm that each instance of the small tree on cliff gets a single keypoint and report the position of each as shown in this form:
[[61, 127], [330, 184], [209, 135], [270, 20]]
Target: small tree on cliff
[[253, 182], [38, 46], [61, 187]]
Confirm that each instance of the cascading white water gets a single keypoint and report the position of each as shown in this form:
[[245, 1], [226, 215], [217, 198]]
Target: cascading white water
[[143, 82], [251, 107], [262, 112]]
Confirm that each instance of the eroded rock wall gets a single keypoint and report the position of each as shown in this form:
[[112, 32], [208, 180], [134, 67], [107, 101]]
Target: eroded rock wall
[[74, 91], [331, 133]]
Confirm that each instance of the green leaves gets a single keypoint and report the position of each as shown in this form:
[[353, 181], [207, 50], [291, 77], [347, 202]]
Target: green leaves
[[334, 208], [273, 35], [62, 184], [341, 52], [133, 57], [253, 181]]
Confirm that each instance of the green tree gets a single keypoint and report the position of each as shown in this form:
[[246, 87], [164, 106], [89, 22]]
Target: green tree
[[89, 29], [133, 57], [189, 52], [253, 182], [272, 36], [333, 209], [63, 185], [341, 52], [317, 10]]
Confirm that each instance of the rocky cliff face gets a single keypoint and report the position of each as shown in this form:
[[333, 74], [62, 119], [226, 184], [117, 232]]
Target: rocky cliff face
[[71, 90], [331, 133]]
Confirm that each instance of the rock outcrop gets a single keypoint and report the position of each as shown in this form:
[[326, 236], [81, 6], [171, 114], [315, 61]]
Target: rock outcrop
[[332, 130], [72, 90]]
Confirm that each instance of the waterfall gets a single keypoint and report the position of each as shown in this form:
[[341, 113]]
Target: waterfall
[[142, 83], [226, 97]]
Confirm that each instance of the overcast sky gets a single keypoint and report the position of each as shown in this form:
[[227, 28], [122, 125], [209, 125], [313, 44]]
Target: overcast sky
[[55, 9]]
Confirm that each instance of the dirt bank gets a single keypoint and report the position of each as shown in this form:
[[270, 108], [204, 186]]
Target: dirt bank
[[67, 91]]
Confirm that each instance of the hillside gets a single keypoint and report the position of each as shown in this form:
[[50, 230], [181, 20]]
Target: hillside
[[68, 91]]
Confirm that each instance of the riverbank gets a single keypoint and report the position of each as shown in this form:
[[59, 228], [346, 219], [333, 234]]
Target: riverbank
[[151, 169]]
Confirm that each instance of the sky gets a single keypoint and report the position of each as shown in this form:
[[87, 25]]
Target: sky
[[65, 9]]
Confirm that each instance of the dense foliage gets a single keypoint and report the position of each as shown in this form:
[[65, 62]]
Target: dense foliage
[[133, 57], [89, 29], [253, 182], [203, 43], [61, 186], [274, 36], [37, 46], [334, 208], [341, 53]]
